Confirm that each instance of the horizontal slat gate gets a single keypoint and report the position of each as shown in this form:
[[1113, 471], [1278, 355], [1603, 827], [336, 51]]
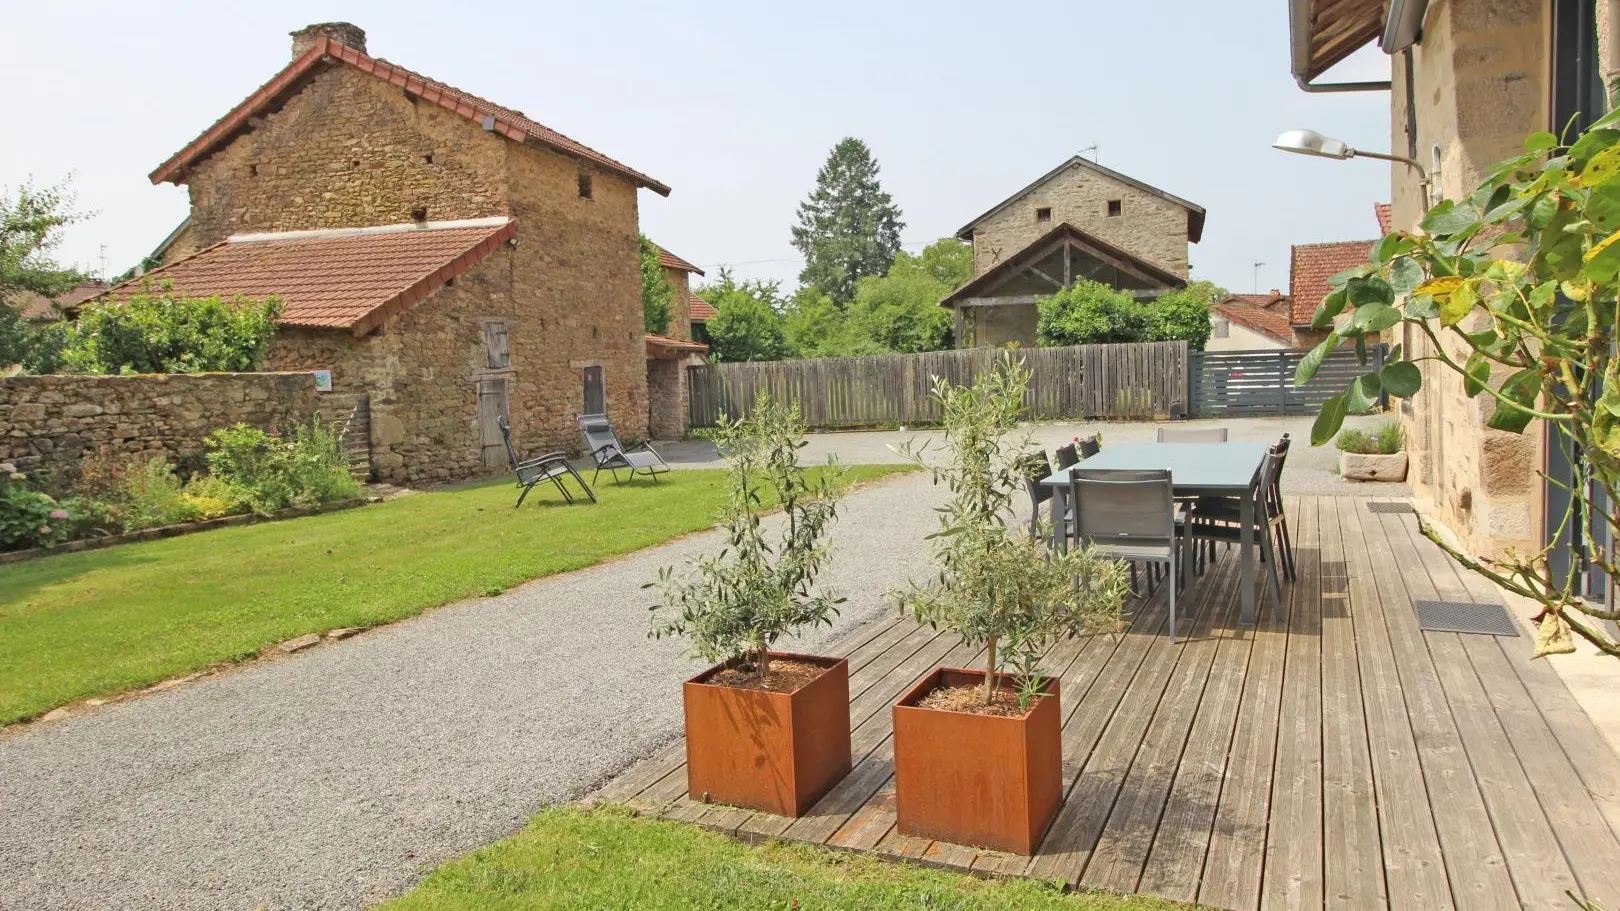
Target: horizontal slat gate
[[1135, 381], [1262, 382]]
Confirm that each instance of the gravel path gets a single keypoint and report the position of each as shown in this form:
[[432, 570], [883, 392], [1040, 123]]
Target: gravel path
[[334, 778]]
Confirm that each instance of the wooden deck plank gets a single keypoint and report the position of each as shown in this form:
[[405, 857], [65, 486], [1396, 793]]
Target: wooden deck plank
[[1070, 844], [1176, 862], [1127, 838], [1293, 868], [1414, 867], [1474, 861], [1353, 869], [1234, 862]]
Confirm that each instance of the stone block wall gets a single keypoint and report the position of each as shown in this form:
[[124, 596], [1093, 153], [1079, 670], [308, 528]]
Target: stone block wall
[[49, 423], [1148, 226], [668, 396]]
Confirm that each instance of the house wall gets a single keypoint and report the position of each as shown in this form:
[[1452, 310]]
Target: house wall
[[680, 308], [1241, 338], [1480, 86], [350, 150], [1002, 325], [668, 395], [1149, 226], [48, 424]]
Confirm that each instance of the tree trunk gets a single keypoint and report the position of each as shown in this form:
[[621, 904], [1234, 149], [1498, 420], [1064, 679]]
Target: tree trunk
[[764, 662], [990, 674]]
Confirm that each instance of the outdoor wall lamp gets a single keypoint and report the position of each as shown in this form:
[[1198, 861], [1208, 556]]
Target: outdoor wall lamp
[[1310, 142]]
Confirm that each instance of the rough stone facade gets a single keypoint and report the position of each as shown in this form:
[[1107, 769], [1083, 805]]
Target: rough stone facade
[[49, 423], [1480, 86], [668, 396], [348, 150], [680, 304], [1148, 226]]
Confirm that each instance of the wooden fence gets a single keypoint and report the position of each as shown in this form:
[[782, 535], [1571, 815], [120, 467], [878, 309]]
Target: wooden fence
[[1134, 381]]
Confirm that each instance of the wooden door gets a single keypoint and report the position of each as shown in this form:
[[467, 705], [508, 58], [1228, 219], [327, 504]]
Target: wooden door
[[594, 394], [492, 407]]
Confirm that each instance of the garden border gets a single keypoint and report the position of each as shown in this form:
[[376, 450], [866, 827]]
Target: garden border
[[184, 528]]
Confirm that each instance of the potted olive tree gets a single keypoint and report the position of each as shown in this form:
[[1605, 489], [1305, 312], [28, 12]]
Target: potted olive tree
[[977, 753], [764, 729]]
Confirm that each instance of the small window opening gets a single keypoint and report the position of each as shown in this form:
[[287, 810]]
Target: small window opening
[[428, 158], [354, 163], [253, 170], [1043, 215], [1116, 207], [584, 185], [1220, 328], [419, 213], [449, 283]]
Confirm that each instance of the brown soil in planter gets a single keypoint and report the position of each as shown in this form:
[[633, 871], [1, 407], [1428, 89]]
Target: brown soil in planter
[[784, 676], [971, 699]]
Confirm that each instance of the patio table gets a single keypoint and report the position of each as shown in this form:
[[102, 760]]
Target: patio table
[[1196, 470]]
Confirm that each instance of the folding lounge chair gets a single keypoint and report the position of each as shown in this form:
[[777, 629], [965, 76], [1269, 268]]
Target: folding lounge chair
[[549, 467], [606, 450]]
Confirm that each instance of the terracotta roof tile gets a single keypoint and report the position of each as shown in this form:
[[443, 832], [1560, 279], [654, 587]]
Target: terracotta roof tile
[[1267, 314], [1384, 212], [36, 306], [670, 261], [1311, 265], [700, 309], [673, 344], [510, 123], [349, 279]]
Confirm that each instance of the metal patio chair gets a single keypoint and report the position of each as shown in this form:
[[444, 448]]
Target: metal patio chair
[[550, 467], [1192, 434], [1221, 521], [1225, 509], [1036, 469], [1132, 515], [607, 452]]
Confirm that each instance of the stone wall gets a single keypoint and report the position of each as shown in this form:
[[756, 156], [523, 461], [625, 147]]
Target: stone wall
[[1480, 86], [668, 396], [680, 303], [1148, 226], [49, 423]]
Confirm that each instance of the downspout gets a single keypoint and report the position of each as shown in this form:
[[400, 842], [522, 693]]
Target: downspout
[[1299, 37]]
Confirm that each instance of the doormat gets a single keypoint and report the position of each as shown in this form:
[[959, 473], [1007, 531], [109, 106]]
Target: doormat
[[1465, 617], [1389, 507]]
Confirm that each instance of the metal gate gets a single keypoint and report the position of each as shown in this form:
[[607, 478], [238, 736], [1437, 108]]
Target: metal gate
[[1237, 383]]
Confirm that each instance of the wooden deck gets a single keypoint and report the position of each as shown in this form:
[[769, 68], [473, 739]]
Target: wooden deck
[[1337, 758]]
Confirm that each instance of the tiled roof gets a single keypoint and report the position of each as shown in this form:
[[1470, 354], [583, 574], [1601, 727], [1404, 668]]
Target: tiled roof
[[1311, 265], [1383, 211], [1267, 314], [35, 306], [666, 343], [1043, 245], [494, 118], [699, 309], [341, 279], [670, 261]]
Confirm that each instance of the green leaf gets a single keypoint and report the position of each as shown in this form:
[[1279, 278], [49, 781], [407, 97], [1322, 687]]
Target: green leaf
[[1362, 394], [1603, 206], [1592, 142], [1312, 361], [1405, 274], [1377, 317], [1422, 306], [1522, 390], [1535, 142], [1602, 262], [1369, 290], [1361, 350], [1476, 374], [1541, 212], [1328, 421], [1401, 379], [1450, 217], [1602, 167], [1332, 306], [1392, 245], [1458, 304]]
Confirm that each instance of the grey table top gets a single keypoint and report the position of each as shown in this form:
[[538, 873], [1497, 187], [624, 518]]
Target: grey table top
[[1200, 468]]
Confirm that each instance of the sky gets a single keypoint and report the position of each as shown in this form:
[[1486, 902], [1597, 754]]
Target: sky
[[736, 105]]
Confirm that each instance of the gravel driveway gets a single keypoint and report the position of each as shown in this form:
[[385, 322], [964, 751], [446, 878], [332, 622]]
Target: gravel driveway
[[335, 777]]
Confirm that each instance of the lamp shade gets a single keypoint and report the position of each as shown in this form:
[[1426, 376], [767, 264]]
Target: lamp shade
[[1310, 142]]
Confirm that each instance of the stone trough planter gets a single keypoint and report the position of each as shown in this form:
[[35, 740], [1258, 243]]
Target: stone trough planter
[[1354, 466]]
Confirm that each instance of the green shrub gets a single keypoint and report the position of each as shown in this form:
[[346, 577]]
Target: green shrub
[[214, 497], [317, 466], [29, 518], [273, 472], [157, 332], [1387, 439], [151, 497]]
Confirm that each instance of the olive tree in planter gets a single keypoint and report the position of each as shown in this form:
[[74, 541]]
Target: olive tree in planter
[[978, 755], [764, 729]]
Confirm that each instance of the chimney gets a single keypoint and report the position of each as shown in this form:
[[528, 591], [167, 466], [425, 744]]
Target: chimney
[[350, 36]]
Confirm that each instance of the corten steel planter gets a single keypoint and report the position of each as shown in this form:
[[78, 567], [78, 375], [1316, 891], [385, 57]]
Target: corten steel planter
[[777, 752], [988, 781]]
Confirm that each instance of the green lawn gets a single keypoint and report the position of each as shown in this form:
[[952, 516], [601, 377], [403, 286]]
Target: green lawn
[[606, 858], [96, 622]]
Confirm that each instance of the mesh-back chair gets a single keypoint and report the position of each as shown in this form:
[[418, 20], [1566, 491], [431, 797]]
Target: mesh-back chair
[[1220, 520], [606, 450], [550, 467], [1192, 434], [1089, 446], [1035, 470], [1067, 455], [1225, 509], [1131, 515]]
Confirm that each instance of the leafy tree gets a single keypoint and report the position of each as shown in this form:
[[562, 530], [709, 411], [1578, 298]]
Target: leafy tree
[[1513, 288], [815, 326], [1090, 313], [901, 311], [737, 605], [1183, 314], [31, 223], [848, 228], [156, 331], [747, 324], [656, 293], [949, 261], [998, 585]]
